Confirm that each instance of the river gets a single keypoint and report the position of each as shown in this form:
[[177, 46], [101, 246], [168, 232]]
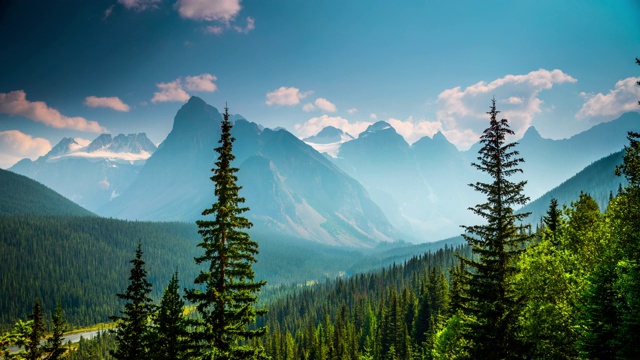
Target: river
[[73, 337]]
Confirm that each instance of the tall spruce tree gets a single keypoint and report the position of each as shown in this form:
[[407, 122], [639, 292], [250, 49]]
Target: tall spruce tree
[[33, 347], [132, 328], [54, 345], [170, 327], [552, 221], [490, 300], [226, 299]]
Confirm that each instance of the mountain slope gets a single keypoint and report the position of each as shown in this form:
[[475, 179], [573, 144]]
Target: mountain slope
[[290, 188], [21, 195], [597, 179]]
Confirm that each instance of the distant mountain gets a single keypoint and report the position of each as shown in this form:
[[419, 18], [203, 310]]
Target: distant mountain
[[418, 187], [90, 175], [550, 162], [328, 140], [21, 195], [597, 180], [423, 188], [290, 188]]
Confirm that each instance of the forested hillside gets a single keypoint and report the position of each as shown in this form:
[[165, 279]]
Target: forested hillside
[[598, 180], [83, 262], [21, 195], [387, 314]]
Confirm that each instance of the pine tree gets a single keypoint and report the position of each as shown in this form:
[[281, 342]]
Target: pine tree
[[490, 299], [225, 302], [34, 350], [54, 345], [552, 221], [170, 328], [132, 329]]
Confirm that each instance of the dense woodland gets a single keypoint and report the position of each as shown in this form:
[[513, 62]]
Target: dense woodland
[[569, 290]]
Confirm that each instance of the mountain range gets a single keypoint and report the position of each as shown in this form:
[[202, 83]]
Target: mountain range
[[290, 188], [91, 175], [423, 188], [358, 192]]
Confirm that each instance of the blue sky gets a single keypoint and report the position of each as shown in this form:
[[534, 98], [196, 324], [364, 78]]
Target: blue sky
[[79, 68]]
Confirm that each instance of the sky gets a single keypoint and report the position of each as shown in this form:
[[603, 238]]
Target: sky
[[81, 68]]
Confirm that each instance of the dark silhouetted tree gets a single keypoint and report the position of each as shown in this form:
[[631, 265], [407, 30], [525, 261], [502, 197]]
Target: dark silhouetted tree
[[170, 327], [552, 221], [490, 300], [225, 301], [54, 345], [132, 328], [34, 350]]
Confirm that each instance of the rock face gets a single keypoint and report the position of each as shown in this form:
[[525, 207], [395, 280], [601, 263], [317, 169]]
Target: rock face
[[90, 175], [290, 188]]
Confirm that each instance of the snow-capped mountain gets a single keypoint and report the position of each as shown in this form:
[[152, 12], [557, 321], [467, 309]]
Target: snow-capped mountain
[[90, 174], [122, 148], [328, 140]]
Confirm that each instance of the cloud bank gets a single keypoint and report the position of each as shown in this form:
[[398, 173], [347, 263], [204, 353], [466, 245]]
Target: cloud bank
[[175, 90], [109, 102], [16, 103], [138, 5], [285, 96], [623, 98], [462, 112]]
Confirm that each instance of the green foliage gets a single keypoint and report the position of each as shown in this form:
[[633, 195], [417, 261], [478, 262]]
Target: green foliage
[[377, 315], [490, 300], [132, 331], [18, 336], [97, 348], [225, 305], [552, 221], [33, 347], [82, 262], [54, 345], [170, 333]]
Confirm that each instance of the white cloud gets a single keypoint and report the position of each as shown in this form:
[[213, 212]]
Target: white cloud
[[202, 82], [16, 103], [286, 96], [209, 10], [314, 125], [251, 24], [109, 102], [214, 29], [107, 12], [413, 130], [352, 111], [463, 111], [325, 105], [308, 107], [623, 98], [175, 90], [171, 91], [514, 100], [138, 5], [373, 116], [15, 146]]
